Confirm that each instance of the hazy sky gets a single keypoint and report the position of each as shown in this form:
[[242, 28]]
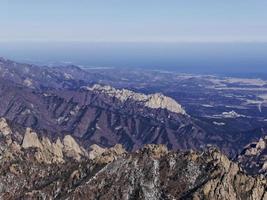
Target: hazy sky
[[133, 20]]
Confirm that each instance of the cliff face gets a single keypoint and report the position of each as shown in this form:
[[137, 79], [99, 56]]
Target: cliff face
[[33, 167], [155, 173], [254, 157], [154, 101]]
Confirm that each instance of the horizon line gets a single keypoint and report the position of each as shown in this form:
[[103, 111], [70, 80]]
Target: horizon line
[[132, 41]]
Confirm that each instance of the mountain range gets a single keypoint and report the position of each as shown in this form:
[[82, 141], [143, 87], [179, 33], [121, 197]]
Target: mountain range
[[69, 100]]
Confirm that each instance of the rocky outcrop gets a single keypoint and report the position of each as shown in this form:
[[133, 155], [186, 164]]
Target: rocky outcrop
[[228, 181], [156, 151], [254, 157], [4, 127], [41, 168], [105, 155], [31, 140], [52, 152], [110, 154], [155, 173], [95, 151], [154, 101], [72, 149], [9, 141]]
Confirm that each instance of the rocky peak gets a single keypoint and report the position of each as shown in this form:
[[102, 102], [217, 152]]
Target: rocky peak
[[52, 152], [153, 101], [154, 150], [152, 172], [254, 157], [95, 151], [255, 148], [72, 148], [173, 175], [105, 155], [31, 140], [4, 127]]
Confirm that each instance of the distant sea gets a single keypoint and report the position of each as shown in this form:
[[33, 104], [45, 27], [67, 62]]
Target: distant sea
[[239, 59]]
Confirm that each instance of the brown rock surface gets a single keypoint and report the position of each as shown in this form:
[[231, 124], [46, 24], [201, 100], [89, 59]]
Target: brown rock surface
[[254, 157], [51, 170]]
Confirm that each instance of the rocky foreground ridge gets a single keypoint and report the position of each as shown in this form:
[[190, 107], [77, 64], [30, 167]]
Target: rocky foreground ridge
[[254, 157], [34, 167]]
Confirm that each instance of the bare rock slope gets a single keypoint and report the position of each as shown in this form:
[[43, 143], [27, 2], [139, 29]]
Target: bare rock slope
[[63, 169], [154, 101], [254, 157]]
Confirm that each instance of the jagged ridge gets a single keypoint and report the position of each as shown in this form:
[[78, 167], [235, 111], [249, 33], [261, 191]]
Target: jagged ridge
[[152, 172], [154, 101], [254, 157]]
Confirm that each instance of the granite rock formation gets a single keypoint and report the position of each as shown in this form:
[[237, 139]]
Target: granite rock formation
[[30, 171], [254, 157]]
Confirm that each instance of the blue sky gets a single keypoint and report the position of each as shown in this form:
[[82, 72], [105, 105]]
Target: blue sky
[[134, 20]]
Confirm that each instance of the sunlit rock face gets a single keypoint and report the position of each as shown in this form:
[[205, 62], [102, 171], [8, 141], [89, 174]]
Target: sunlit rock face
[[31, 140], [49, 152], [254, 157], [156, 173], [4, 128], [63, 169], [155, 101], [72, 149]]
